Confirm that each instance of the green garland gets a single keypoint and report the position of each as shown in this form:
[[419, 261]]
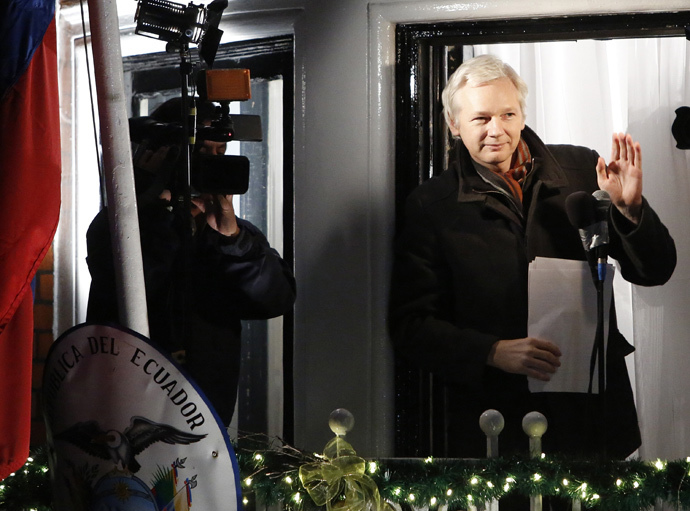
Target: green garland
[[270, 475], [29, 487]]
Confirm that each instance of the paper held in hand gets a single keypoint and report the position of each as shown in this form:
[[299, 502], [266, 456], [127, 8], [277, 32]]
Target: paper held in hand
[[563, 310]]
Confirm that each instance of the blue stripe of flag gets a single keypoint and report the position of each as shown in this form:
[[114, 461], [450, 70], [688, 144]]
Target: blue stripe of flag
[[23, 24]]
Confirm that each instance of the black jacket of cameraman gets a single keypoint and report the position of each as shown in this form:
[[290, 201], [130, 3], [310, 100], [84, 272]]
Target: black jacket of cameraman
[[229, 279]]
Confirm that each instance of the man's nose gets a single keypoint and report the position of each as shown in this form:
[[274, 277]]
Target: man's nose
[[495, 127]]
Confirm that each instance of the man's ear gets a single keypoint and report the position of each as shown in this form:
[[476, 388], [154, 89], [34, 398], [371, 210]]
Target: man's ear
[[453, 128]]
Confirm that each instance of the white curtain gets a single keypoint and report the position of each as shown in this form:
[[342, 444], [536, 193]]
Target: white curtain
[[580, 93]]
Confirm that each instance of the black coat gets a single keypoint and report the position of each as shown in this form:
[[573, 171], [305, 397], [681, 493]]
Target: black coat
[[460, 284], [197, 305]]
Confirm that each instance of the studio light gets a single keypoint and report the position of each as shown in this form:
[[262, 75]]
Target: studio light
[[170, 22], [181, 25]]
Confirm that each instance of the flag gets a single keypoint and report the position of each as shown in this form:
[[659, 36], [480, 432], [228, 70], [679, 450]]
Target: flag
[[29, 201]]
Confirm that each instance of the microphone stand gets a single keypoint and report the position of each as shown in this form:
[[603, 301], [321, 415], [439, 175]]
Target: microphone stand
[[599, 354], [583, 211]]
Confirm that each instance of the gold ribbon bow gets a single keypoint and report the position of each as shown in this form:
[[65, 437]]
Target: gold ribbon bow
[[339, 482]]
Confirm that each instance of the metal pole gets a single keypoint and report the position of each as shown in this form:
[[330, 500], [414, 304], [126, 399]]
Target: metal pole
[[117, 163]]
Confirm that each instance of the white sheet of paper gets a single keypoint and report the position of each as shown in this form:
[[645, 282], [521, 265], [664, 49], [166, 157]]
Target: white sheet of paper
[[563, 310]]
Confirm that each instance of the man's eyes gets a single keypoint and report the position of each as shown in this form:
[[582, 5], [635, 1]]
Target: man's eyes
[[509, 115]]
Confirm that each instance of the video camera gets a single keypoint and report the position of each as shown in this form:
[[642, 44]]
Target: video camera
[[179, 25], [218, 174]]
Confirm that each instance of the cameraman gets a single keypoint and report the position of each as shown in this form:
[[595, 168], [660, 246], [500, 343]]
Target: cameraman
[[198, 290]]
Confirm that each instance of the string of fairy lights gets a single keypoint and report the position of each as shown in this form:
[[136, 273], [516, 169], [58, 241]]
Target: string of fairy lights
[[460, 484], [28, 489], [271, 476]]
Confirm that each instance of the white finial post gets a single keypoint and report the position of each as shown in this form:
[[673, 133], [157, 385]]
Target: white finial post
[[534, 424], [492, 423], [341, 421]]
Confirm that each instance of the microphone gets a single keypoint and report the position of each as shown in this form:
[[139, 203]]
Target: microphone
[[602, 205], [589, 217]]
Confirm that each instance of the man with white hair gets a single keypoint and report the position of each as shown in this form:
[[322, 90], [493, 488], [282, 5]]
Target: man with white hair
[[459, 299]]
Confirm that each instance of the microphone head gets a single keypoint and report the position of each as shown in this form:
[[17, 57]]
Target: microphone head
[[602, 196], [602, 204], [581, 209]]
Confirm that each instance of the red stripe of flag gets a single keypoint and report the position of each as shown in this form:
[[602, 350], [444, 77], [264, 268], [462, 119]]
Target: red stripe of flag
[[29, 209]]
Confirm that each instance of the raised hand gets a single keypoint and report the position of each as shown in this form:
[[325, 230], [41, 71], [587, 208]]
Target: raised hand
[[622, 177]]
